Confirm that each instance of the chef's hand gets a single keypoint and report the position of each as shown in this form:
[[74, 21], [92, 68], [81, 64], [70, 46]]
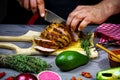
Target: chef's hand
[[34, 5], [81, 16]]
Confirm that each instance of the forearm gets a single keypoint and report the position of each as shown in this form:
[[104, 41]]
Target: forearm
[[112, 6]]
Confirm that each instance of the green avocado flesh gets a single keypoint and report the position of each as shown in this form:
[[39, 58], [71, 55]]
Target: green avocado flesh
[[68, 60], [109, 74]]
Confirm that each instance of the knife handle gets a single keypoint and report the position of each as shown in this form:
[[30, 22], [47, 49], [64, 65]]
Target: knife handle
[[33, 19]]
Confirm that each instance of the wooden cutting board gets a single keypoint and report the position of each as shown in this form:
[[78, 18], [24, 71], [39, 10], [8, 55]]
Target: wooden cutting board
[[29, 37]]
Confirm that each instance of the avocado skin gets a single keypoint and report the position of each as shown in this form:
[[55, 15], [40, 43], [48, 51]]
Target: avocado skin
[[69, 60], [107, 74]]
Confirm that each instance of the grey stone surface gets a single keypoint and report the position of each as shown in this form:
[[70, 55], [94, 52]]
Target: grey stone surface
[[93, 66]]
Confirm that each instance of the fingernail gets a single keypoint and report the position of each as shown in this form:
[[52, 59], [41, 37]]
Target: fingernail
[[42, 15], [79, 29]]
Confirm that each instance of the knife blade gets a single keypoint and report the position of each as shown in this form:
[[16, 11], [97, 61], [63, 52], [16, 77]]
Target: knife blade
[[53, 18]]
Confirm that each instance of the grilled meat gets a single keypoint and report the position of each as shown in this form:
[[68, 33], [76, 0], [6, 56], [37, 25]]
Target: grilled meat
[[53, 37]]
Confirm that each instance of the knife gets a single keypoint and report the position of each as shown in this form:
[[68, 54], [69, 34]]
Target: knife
[[53, 18]]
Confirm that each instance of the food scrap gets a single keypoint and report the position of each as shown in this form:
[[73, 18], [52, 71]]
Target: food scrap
[[73, 78], [10, 78], [86, 74], [2, 74], [79, 78]]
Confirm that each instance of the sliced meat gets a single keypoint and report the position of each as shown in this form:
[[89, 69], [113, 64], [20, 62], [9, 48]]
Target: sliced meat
[[45, 43], [74, 36], [57, 33], [53, 37], [45, 50]]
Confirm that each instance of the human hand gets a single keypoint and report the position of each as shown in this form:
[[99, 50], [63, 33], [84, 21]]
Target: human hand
[[84, 15], [34, 5]]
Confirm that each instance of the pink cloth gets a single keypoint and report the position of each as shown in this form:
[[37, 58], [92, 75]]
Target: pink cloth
[[108, 32]]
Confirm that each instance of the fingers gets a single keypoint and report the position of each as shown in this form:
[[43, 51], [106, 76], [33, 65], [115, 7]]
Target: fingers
[[33, 4], [76, 21], [72, 20], [79, 18], [75, 12], [41, 7], [71, 16], [83, 24], [26, 4], [79, 24]]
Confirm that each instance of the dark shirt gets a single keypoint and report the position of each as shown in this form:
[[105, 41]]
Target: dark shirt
[[3, 9], [64, 7], [18, 15]]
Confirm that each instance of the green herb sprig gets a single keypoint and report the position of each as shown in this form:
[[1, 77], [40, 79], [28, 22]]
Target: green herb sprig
[[24, 63], [85, 42]]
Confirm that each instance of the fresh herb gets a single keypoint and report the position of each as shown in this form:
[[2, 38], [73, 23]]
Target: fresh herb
[[85, 42], [24, 63]]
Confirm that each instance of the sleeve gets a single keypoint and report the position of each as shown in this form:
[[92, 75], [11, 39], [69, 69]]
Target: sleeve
[[3, 9]]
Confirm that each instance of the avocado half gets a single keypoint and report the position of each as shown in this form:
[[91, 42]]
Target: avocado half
[[109, 74]]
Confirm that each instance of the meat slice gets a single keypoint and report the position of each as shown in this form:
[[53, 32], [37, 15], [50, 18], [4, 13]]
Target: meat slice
[[45, 50], [45, 43]]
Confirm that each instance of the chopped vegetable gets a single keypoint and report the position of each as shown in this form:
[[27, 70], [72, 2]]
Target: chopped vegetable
[[109, 74], [79, 78], [85, 43], [73, 78], [26, 76], [2, 74], [48, 75], [10, 78], [23, 63], [86, 74]]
